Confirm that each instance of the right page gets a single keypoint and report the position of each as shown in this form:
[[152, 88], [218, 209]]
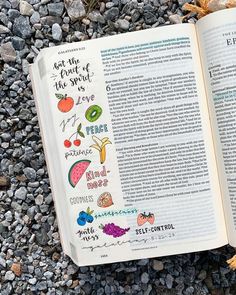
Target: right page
[[217, 42]]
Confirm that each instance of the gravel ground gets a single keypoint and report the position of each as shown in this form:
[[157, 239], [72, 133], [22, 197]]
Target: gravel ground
[[31, 258]]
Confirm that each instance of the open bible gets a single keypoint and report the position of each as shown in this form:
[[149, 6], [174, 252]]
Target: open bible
[[139, 133]]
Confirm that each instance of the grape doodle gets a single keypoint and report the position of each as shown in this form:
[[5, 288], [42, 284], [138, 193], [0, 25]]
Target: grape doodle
[[113, 230]]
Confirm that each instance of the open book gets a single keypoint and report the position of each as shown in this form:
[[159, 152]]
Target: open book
[[139, 132]]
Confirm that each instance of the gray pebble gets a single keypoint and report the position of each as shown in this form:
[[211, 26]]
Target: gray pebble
[[175, 19], [30, 173], [48, 275], [50, 20], [2, 262], [21, 27], [21, 193], [35, 18], [8, 52], [56, 32], [144, 278], [75, 9], [9, 276], [55, 9], [123, 24], [111, 14], [41, 286], [4, 30], [149, 18], [33, 281]]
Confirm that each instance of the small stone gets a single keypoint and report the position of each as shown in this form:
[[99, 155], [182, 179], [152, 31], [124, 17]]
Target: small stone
[[21, 193], [35, 18], [8, 52], [18, 43], [111, 14], [75, 9], [14, 3], [202, 275], [4, 182], [123, 24], [4, 30], [30, 173], [32, 281], [182, 2], [48, 275], [41, 237], [8, 216], [144, 278], [56, 32], [55, 9], [39, 200], [169, 281], [56, 256], [72, 269], [65, 28], [109, 5], [21, 27], [2, 262], [16, 268], [214, 5], [9, 276], [25, 66], [158, 265], [74, 284], [135, 15], [13, 14], [50, 20], [38, 43], [149, 18], [94, 15], [26, 8], [41, 286], [175, 19]]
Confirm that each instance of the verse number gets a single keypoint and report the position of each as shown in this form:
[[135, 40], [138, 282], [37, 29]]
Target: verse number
[[108, 88]]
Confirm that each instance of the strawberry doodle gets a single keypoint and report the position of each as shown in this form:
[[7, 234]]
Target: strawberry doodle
[[143, 218]]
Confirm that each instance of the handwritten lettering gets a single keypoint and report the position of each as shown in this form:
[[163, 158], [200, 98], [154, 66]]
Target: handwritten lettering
[[118, 243], [112, 213], [76, 153], [96, 129], [69, 121], [87, 98], [81, 200], [93, 175]]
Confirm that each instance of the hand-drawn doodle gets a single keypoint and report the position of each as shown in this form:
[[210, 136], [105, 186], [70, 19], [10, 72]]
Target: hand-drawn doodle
[[76, 142], [100, 145], [85, 217], [65, 103], [93, 113], [142, 218], [77, 170], [105, 200], [113, 230]]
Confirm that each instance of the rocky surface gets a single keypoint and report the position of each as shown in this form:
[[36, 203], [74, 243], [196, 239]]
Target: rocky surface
[[31, 258]]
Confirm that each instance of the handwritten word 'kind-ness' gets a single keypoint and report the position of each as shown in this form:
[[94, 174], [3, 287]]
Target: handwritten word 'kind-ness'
[[97, 179], [72, 67]]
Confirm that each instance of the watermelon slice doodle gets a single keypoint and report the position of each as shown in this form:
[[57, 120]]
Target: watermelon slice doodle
[[77, 170]]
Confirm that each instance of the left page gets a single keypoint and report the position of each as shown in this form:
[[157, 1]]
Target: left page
[[133, 155]]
